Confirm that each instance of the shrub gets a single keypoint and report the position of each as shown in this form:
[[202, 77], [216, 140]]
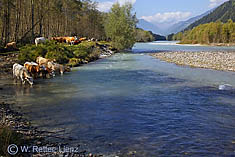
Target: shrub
[[7, 137], [74, 62], [62, 53]]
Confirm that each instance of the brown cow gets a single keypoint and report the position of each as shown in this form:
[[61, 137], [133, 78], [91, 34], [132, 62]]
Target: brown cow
[[59, 39], [56, 67], [68, 40], [11, 46], [33, 68], [83, 39], [46, 72], [43, 61]]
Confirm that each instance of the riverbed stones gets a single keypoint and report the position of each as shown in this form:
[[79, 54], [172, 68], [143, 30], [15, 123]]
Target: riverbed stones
[[224, 61]]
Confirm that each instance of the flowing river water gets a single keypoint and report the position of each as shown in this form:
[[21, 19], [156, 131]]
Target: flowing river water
[[132, 102]]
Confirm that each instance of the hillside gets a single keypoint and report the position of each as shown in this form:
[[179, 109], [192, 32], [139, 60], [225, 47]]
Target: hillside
[[215, 33], [180, 26], [147, 36], [223, 13]]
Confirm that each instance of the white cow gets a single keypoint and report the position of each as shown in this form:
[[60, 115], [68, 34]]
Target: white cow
[[40, 40], [20, 72]]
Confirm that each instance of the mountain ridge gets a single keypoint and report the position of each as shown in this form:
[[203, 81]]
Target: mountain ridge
[[149, 27], [180, 26]]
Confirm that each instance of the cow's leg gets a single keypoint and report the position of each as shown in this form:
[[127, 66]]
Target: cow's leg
[[22, 79], [14, 77]]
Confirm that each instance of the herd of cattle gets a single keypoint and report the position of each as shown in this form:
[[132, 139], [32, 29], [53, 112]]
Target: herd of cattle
[[68, 40], [43, 67]]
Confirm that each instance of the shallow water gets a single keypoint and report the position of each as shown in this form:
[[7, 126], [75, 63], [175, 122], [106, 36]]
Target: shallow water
[[173, 46], [134, 102]]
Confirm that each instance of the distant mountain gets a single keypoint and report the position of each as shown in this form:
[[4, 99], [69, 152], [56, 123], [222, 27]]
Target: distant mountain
[[158, 37], [180, 26], [148, 26], [223, 13]]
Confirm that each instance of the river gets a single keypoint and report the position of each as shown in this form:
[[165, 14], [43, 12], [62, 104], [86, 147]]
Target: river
[[134, 103]]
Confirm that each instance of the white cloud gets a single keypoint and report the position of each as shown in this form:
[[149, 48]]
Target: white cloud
[[105, 6], [122, 2], [214, 3], [168, 17]]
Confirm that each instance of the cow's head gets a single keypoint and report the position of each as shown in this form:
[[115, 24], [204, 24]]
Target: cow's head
[[50, 71], [67, 69]]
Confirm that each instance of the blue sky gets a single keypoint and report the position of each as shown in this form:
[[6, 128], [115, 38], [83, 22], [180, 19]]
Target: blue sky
[[164, 12]]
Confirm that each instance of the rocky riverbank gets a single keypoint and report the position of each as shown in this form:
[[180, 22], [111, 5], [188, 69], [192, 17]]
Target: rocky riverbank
[[15, 129], [224, 61]]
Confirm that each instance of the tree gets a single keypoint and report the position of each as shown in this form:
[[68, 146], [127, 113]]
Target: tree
[[120, 26]]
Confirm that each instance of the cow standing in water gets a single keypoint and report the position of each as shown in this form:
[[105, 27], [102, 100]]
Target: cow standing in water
[[33, 68], [20, 72], [56, 67]]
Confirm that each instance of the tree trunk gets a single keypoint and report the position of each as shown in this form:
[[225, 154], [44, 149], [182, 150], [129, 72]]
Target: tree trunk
[[32, 4]]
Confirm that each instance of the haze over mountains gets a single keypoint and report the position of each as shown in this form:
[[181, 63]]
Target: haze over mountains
[[172, 29], [149, 26], [223, 13]]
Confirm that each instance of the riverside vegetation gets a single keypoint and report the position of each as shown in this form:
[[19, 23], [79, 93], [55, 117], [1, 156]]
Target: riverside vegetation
[[210, 33]]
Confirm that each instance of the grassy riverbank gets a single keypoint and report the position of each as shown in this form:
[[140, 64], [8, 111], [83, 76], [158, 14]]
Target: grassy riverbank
[[224, 61], [71, 55]]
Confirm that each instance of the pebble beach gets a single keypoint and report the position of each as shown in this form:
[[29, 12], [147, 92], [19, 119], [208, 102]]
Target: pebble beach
[[224, 61]]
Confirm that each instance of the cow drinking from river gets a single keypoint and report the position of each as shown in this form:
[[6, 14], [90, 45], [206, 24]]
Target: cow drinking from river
[[20, 72]]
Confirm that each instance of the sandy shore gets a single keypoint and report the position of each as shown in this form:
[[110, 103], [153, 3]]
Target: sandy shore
[[224, 61]]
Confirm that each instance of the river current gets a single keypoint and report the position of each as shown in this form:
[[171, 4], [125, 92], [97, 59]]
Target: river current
[[132, 103]]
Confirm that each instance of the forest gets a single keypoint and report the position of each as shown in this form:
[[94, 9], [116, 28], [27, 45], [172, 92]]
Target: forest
[[214, 32], [23, 20]]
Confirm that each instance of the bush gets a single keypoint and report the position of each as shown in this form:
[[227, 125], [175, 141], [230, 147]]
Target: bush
[[64, 54], [59, 56], [31, 52], [74, 62]]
